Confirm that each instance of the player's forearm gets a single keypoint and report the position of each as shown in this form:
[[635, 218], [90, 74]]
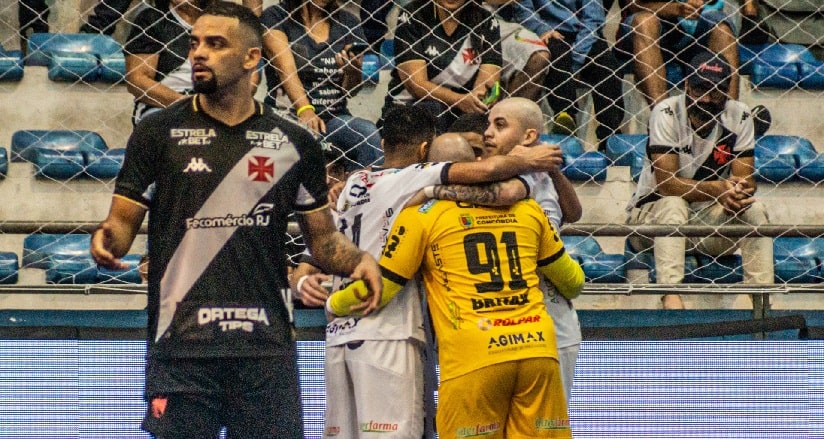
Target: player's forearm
[[504, 193], [341, 302], [335, 253], [566, 275]]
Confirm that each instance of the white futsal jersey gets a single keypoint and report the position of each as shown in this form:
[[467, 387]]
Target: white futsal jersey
[[564, 316], [368, 205]]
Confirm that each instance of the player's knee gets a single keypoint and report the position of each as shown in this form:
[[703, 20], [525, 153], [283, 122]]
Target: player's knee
[[672, 210]]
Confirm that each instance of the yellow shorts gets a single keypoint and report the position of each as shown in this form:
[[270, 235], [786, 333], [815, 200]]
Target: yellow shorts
[[513, 400]]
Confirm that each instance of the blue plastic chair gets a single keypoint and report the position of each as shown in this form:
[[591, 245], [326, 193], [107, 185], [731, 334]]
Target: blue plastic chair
[[25, 142], [4, 163], [622, 148], [781, 158], [103, 165], [128, 276], [58, 165], [579, 165], [599, 267], [39, 248], [9, 268], [779, 65], [72, 57], [798, 259], [11, 65]]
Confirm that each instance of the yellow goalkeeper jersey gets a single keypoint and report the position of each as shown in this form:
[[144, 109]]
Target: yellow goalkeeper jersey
[[479, 271]]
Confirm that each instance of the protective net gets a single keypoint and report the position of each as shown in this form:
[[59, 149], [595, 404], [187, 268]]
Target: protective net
[[67, 112]]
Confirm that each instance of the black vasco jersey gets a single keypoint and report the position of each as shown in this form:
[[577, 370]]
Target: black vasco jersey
[[219, 200]]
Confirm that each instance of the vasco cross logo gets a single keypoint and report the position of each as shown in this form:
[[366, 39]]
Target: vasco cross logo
[[261, 168], [197, 165]]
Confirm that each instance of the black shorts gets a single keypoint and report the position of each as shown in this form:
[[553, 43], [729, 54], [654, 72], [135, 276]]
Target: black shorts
[[251, 397]]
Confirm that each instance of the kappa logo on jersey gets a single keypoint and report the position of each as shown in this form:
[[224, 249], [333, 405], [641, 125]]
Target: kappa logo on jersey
[[193, 136], [230, 319], [432, 51], [272, 140], [516, 339], [197, 165], [261, 168], [403, 17]]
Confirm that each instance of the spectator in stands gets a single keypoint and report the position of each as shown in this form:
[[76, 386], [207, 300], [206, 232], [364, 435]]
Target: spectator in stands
[[158, 72], [447, 57], [320, 35], [581, 58], [655, 32], [32, 17], [471, 126], [105, 16], [699, 170], [525, 57]]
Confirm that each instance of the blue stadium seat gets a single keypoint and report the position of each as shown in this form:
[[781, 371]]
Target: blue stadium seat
[[103, 165], [779, 65], [798, 260], [811, 75], [4, 163], [387, 54], [371, 68], [8, 267], [57, 165], [71, 269], [781, 158], [645, 260], [579, 165], [25, 142], [72, 57], [11, 65], [622, 148], [128, 276], [40, 248], [715, 269], [599, 267]]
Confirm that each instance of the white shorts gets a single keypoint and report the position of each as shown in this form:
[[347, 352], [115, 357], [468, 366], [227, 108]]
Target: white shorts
[[374, 390], [567, 357], [517, 46]]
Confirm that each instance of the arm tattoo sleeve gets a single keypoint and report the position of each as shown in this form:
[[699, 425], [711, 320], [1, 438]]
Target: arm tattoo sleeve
[[337, 254], [485, 195]]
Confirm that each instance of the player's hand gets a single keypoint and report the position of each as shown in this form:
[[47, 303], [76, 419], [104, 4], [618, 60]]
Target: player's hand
[[543, 157], [369, 272], [101, 248], [417, 199], [312, 293], [312, 120]]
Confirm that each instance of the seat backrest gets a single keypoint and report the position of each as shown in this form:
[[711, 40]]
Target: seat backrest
[[38, 248], [570, 145], [775, 144], [41, 44], [581, 245], [24, 142], [621, 148]]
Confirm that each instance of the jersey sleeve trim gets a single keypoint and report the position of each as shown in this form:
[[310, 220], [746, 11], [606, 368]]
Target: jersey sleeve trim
[[546, 261], [526, 185], [131, 200], [746, 154], [445, 173], [307, 212], [662, 149], [394, 277]]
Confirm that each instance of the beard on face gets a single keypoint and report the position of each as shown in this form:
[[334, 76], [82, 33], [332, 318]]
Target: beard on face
[[205, 86], [704, 112]]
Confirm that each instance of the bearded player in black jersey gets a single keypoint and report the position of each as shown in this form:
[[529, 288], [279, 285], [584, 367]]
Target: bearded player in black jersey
[[225, 172]]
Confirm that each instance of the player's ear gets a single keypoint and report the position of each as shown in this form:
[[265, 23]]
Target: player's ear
[[423, 151], [531, 136], [252, 59]]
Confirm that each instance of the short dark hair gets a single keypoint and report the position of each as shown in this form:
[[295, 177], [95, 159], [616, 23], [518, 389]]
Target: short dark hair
[[244, 15], [407, 126], [470, 123]]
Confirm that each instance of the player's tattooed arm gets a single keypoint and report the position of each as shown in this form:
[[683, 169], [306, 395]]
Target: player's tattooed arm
[[502, 193], [336, 254]]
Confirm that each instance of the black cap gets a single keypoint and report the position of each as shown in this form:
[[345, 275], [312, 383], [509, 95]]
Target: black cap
[[710, 70]]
